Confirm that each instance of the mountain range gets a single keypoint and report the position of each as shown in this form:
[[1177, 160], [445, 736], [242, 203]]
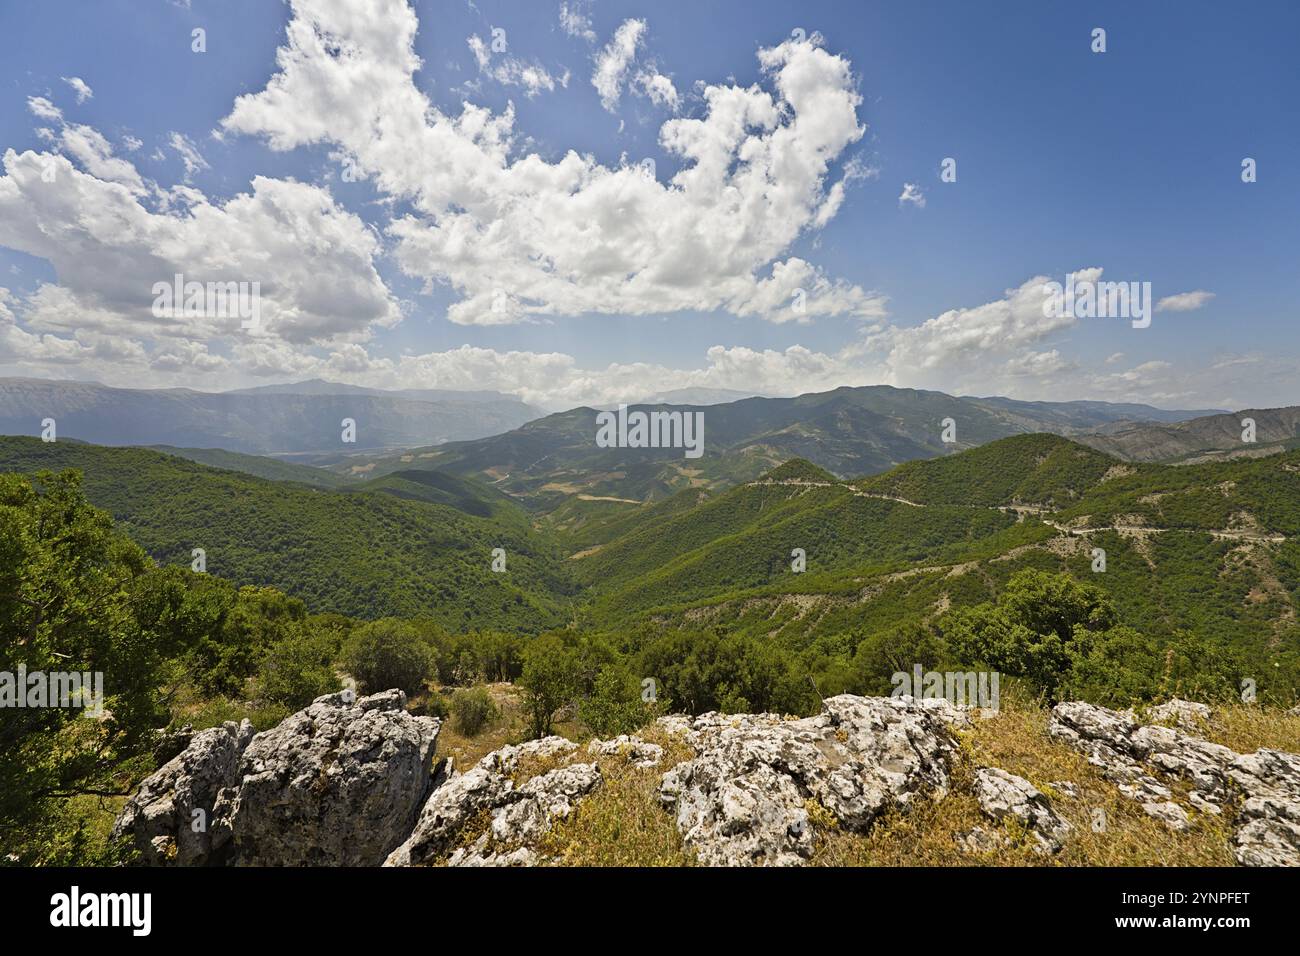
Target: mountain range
[[296, 419], [554, 461]]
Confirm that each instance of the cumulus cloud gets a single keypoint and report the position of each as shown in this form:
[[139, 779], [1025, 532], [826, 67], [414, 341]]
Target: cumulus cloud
[[1184, 301], [184, 147], [79, 87], [519, 237], [312, 259], [42, 108], [658, 88]]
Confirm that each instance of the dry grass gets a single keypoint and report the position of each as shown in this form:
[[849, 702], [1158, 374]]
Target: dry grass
[[509, 727], [1016, 741], [623, 823], [1246, 729]]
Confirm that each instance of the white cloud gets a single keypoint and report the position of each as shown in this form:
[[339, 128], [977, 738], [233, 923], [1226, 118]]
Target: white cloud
[[520, 237], [94, 154], [1184, 301], [613, 61], [42, 108], [912, 193], [131, 144], [658, 88], [314, 262], [575, 22], [80, 87], [509, 71], [184, 147]]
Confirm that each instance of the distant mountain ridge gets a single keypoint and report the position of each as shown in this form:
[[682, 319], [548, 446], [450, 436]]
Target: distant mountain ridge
[[277, 419], [847, 431], [1202, 439]]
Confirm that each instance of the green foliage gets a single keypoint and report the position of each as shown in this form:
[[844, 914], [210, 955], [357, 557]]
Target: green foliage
[[67, 581], [899, 649], [697, 672], [551, 678], [299, 667], [1029, 631], [615, 705], [472, 710], [389, 653], [366, 554], [1030, 469]]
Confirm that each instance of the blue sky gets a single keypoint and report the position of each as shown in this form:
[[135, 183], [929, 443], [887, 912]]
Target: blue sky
[[1127, 160]]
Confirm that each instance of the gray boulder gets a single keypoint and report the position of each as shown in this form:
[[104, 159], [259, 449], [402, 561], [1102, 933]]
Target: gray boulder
[[637, 751], [1003, 796], [1265, 784], [169, 819], [336, 784], [517, 815], [744, 799]]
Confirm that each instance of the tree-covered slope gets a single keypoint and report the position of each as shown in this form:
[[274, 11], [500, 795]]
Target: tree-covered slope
[[361, 553], [1025, 469]]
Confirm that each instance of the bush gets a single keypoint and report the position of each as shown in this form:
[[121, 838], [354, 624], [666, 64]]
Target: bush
[[615, 705], [388, 653], [550, 680], [472, 710], [300, 667]]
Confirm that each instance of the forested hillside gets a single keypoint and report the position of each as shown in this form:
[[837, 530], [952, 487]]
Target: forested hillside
[[400, 549]]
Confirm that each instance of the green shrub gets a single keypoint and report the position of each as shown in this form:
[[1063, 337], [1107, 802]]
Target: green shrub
[[472, 710], [388, 653], [550, 680], [300, 667], [614, 705]]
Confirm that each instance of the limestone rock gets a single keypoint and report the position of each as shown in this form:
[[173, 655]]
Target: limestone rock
[[178, 798], [516, 816], [1265, 783], [1003, 796], [541, 801], [506, 760], [451, 808], [638, 752], [743, 800], [336, 784], [1169, 813], [1185, 713], [1270, 833], [675, 725]]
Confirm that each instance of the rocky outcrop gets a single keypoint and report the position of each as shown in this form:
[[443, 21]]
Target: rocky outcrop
[[1187, 714], [637, 751], [337, 783], [1269, 830], [352, 782], [1264, 785], [745, 798], [169, 818], [334, 784], [516, 816], [1005, 797]]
